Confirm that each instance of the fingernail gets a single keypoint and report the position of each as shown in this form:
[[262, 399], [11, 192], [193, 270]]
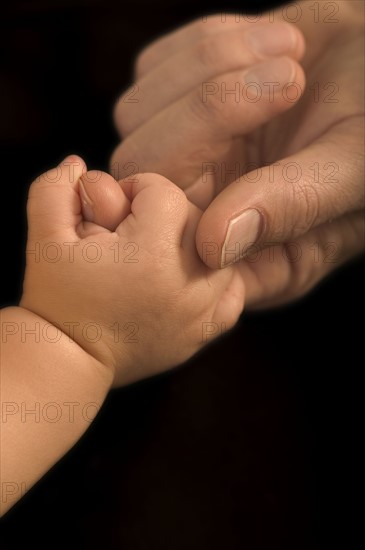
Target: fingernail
[[70, 158], [86, 203], [272, 39], [74, 159], [243, 231], [274, 73]]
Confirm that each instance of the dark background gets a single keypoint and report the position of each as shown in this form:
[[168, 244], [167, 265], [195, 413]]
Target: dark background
[[252, 445]]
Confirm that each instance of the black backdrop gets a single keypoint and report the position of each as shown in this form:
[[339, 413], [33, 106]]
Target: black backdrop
[[251, 445]]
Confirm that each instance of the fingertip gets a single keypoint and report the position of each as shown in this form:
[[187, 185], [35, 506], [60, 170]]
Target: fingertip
[[301, 45], [67, 172], [72, 167], [298, 85], [293, 83], [74, 159], [103, 201], [232, 301], [208, 246]]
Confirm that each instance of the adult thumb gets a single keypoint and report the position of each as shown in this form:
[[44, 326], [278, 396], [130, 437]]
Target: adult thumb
[[280, 203]]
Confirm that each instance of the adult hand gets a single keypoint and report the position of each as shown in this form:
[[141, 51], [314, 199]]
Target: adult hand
[[204, 104]]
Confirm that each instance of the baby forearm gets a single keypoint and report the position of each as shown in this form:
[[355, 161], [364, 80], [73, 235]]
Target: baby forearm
[[50, 391]]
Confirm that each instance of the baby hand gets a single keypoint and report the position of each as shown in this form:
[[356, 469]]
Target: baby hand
[[133, 293]]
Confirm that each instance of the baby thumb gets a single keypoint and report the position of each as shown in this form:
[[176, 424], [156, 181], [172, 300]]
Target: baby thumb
[[53, 203]]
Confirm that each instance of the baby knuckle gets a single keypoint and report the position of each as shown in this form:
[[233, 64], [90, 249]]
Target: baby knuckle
[[167, 191], [176, 198]]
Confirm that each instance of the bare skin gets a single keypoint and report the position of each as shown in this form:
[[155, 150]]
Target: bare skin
[[300, 157], [101, 307]]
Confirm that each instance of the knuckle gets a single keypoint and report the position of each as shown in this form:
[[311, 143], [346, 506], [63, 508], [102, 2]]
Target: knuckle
[[205, 27], [208, 52], [301, 275], [306, 202], [174, 197], [142, 61], [357, 231], [202, 28], [125, 160], [164, 184], [207, 108], [117, 162], [114, 164], [177, 195], [122, 118]]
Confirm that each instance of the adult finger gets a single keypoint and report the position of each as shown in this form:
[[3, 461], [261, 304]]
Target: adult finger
[[200, 127], [283, 201], [197, 64], [284, 272], [189, 34]]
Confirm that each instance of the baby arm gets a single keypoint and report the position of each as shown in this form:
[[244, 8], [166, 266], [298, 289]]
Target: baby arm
[[50, 391], [50, 387], [100, 308]]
